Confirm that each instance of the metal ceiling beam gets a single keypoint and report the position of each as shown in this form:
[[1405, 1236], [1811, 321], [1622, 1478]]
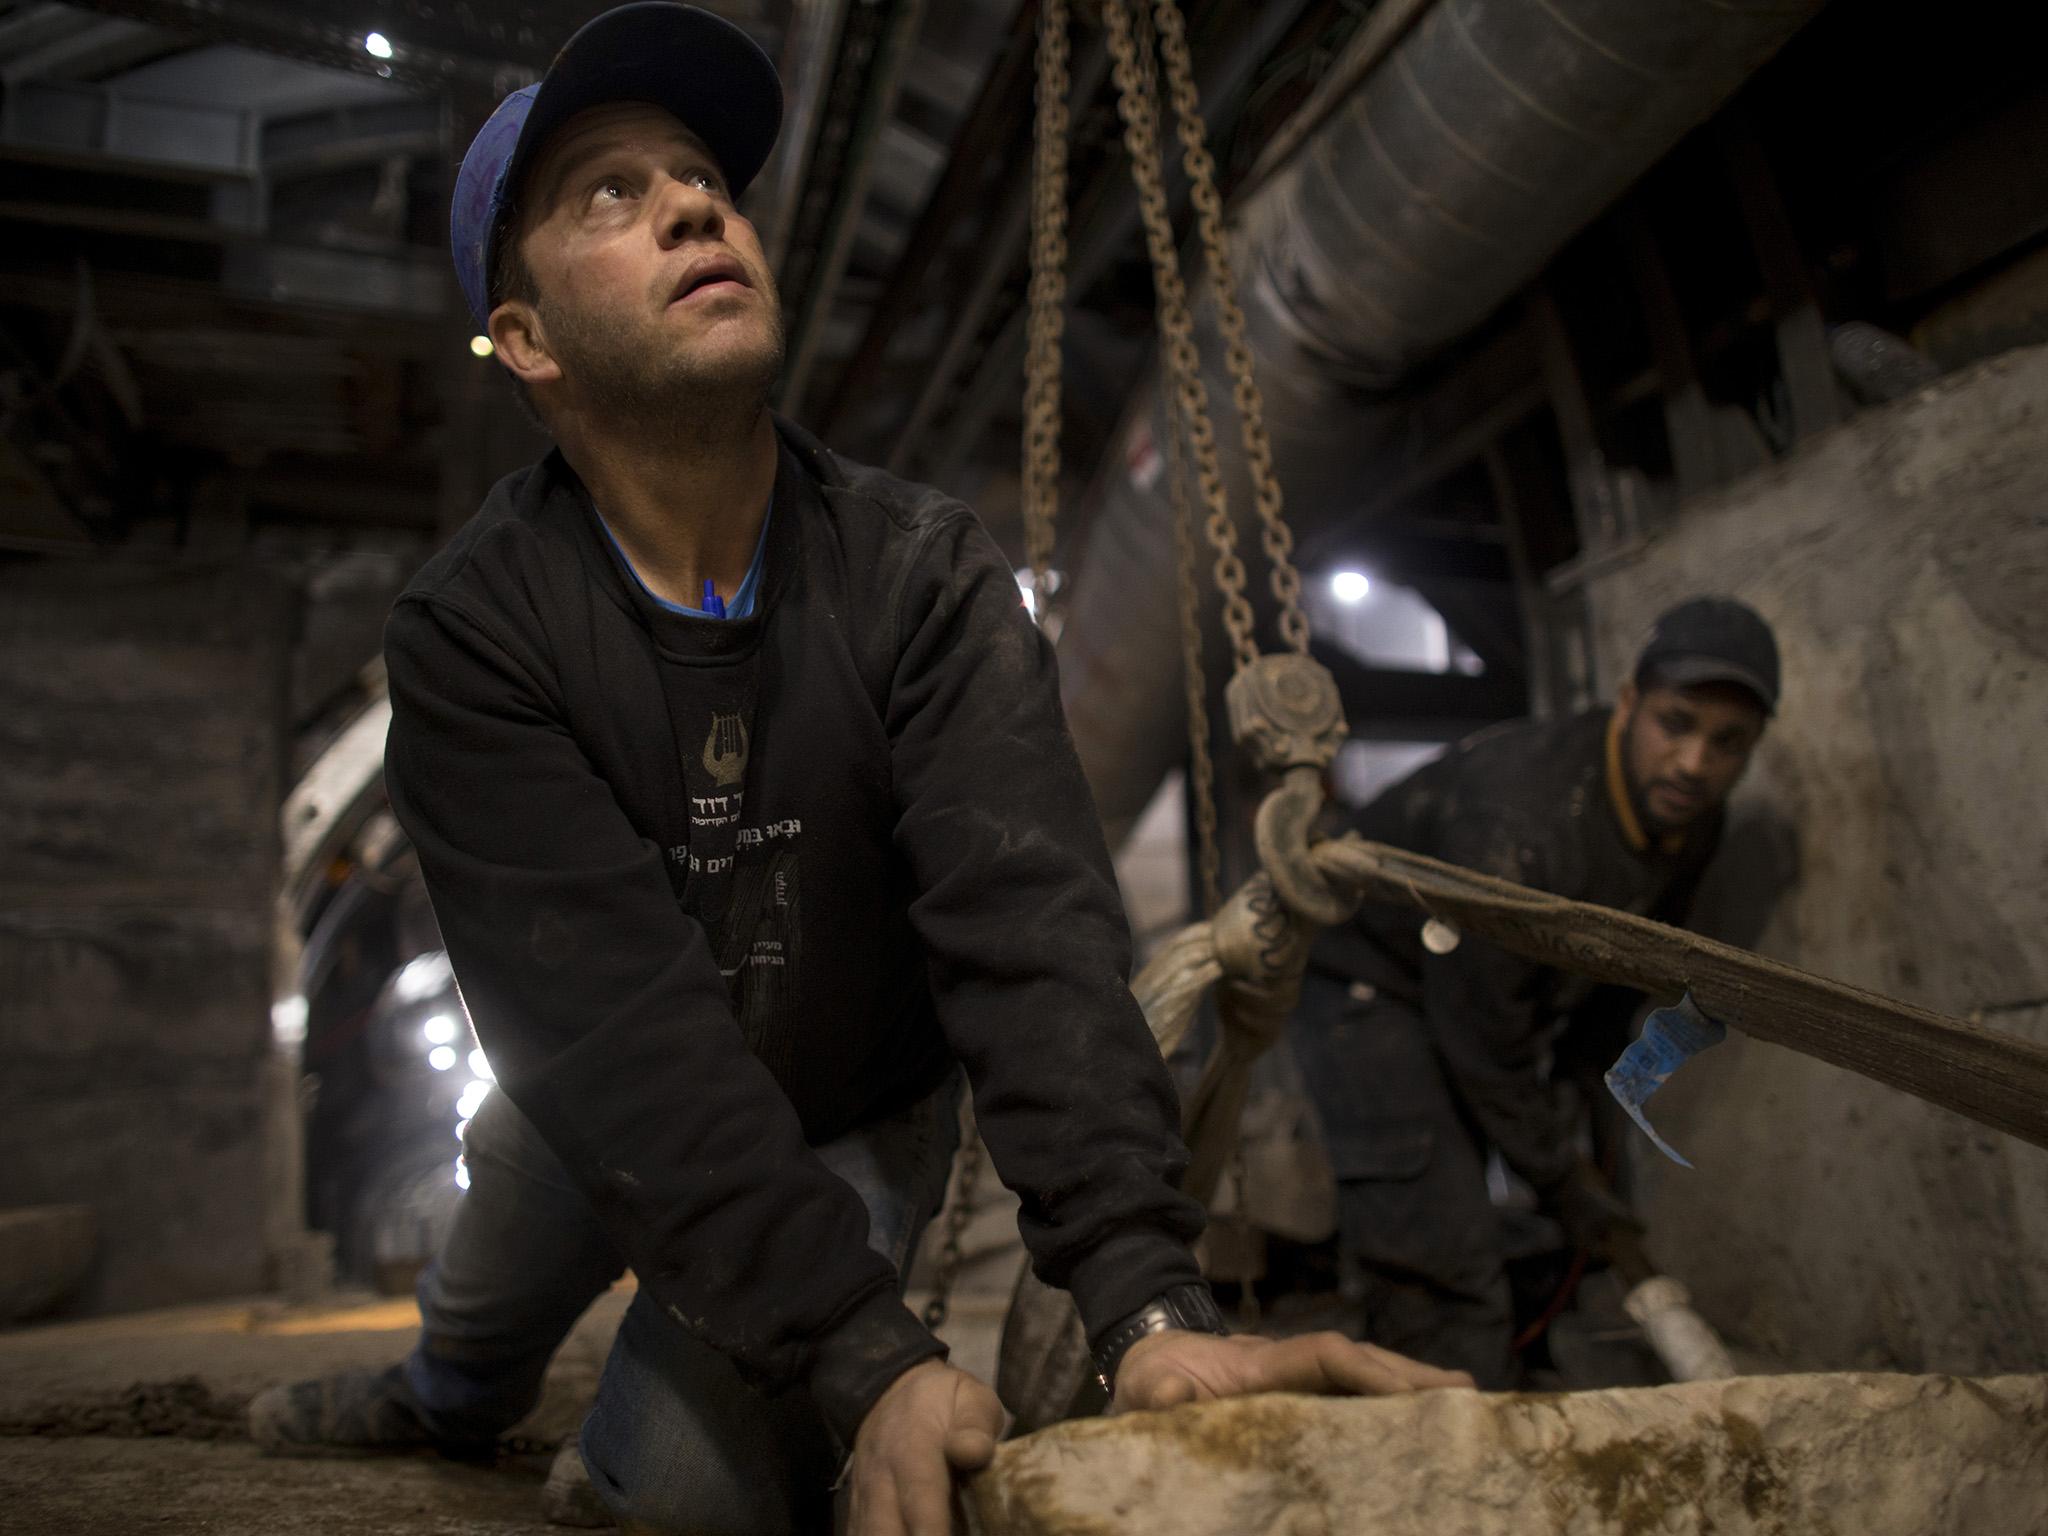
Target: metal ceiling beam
[[809, 47], [476, 61], [95, 48], [148, 224], [26, 28], [135, 305], [99, 123], [1000, 249], [301, 143], [894, 37], [394, 282], [991, 124]]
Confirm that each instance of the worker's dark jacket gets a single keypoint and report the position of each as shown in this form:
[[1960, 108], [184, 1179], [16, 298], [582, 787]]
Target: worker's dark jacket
[[1540, 802], [718, 891]]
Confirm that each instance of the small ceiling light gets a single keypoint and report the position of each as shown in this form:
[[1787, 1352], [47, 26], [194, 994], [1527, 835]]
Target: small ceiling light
[[1350, 586], [377, 46], [439, 1030], [481, 1067], [480, 346], [441, 1057]]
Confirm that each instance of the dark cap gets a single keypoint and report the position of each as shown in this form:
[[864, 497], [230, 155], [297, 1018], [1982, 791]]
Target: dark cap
[[1713, 640], [701, 67]]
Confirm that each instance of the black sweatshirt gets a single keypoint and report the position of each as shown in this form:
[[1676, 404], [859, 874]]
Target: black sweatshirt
[[717, 891], [1540, 802]]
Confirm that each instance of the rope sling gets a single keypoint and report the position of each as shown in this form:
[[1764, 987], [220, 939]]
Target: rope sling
[[1283, 710]]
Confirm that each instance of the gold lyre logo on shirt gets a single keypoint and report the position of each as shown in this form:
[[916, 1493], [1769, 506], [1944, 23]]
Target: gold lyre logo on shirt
[[725, 750]]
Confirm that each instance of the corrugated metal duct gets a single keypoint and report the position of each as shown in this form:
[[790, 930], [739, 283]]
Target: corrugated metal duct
[[1487, 135]]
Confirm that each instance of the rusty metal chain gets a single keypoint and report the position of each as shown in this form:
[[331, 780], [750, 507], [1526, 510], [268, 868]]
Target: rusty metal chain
[[1237, 352], [1137, 105], [1201, 763], [959, 1210], [1046, 318]]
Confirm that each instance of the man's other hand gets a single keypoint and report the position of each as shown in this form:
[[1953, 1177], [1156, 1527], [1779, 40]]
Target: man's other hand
[[1164, 1370], [931, 1424]]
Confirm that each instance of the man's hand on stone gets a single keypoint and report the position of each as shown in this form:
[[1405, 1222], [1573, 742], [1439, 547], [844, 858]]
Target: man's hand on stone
[[1164, 1370], [933, 1423]]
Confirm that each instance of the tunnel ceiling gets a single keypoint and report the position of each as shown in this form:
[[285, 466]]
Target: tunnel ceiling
[[226, 315], [224, 293], [225, 307]]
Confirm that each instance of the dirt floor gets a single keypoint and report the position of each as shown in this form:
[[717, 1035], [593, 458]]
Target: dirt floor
[[136, 1424], [176, 1487]]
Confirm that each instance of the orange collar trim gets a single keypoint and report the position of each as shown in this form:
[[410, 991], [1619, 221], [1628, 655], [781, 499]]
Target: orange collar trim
[[1624, 804]]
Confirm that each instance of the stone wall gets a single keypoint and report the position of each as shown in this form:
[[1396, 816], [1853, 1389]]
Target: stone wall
[[141, 751], [1903, 559]]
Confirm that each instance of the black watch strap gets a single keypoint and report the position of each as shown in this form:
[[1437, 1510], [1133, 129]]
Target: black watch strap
[[1188, 1307]]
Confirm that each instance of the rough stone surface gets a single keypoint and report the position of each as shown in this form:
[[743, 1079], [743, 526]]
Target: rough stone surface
[[178, 1487], [139, 1422], [1858, 1455], [189, 1371], [1903, 560], [44, 1252], [141, 756]]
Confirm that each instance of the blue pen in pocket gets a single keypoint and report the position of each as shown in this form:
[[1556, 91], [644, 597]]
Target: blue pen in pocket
[[713, 603]]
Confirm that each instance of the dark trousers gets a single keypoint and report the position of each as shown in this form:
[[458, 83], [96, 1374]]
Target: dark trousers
[[677, 1441], [1419, 1239]]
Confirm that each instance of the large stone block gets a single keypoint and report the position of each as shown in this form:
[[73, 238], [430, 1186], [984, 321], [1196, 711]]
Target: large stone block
[[142, 796], [142, 751], [137, 996], [44, 1253], [173, 1175], [1850, 1455]]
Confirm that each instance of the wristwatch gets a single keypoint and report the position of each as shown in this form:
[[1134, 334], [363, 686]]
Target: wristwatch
[[1188, 1307]]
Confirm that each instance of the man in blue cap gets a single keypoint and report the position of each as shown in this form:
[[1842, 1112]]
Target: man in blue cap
[[739, 782], [1424, 1053]]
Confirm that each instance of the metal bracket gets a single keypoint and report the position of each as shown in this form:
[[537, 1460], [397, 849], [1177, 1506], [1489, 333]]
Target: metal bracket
[[1285, 711]]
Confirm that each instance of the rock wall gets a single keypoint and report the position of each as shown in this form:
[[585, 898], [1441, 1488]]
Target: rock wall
[[1903, 793], [141, 749]]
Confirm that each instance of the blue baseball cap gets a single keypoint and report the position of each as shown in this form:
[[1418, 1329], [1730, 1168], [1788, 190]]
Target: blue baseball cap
[[701, 67]]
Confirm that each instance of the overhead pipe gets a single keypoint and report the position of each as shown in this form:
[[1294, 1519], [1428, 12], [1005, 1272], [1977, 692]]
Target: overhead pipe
[[1489, 133]]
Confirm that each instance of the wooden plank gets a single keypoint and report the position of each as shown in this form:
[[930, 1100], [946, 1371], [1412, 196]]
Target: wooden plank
[[1995, 1079]]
